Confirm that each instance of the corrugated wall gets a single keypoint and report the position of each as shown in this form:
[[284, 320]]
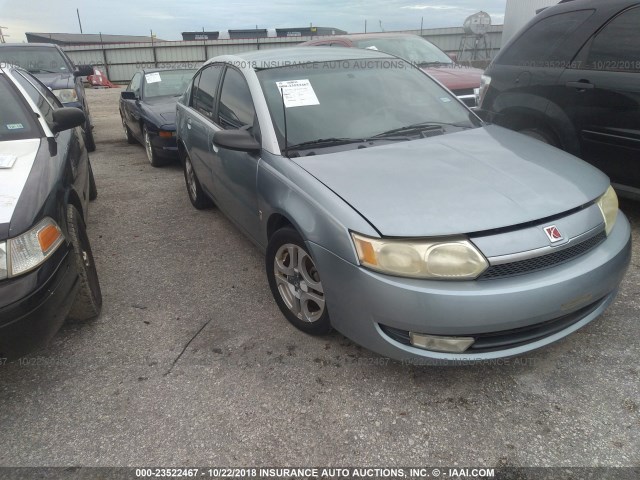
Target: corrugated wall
[[120, 61], [518, 13]]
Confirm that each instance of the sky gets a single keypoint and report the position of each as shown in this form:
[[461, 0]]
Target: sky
[[168, 19]]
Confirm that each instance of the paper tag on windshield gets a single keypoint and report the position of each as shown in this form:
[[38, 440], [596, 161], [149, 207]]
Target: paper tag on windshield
[[153, 77], [7, 161], [297, 93]]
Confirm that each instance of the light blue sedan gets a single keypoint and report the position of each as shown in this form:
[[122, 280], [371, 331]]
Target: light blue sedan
[[390, 212]]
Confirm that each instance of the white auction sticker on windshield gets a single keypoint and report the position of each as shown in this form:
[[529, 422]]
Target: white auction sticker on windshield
[[297, 93], [153, 77], [7, 161]]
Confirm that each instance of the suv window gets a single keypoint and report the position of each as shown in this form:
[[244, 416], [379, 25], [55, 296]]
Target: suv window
[[16, 121], [236, 105], [543, 42], [617, 46], [45, 104], [204, 96], [134, 85]]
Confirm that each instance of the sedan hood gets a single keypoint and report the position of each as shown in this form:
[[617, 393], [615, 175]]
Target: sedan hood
[[164, 108], [464, 182], [457, 77], [56, 81]]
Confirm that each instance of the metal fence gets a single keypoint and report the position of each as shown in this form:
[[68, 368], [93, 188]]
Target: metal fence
[[120, 61]]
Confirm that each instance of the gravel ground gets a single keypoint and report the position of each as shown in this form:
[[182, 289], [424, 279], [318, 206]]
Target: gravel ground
[[191, 362]]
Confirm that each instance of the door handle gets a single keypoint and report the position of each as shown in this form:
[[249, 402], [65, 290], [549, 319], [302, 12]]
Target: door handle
[[189, 124], [581, 85]]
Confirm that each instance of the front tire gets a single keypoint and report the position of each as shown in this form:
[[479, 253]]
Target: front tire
[[197, 196], [93, 188], [295, 282], [127, 132], [88, 301], [154, 160]]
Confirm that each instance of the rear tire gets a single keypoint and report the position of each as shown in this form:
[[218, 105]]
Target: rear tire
[[93, 188], [88, 301], [198, 198], [127, 133]]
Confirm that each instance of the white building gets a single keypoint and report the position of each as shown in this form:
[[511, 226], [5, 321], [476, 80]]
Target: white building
[[518, 13]]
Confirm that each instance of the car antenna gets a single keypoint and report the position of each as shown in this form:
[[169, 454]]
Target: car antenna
[[284, 114]]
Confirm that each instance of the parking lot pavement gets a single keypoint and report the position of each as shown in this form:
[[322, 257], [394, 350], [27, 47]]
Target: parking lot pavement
[[191, 362]]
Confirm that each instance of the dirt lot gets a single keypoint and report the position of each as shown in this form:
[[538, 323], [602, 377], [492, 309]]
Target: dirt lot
[[191, 362]]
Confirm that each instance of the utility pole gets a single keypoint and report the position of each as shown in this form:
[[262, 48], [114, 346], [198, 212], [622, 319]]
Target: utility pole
[[79, 22], [2, 35]]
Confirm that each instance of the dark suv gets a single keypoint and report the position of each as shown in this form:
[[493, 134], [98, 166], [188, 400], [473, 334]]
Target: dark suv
[[49, 64], [571, 78]]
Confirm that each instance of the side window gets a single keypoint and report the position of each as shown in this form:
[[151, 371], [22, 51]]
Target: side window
[[45, 106], [617, 46], [236, 105], [543, 42], [204, 98], [194, 90], [134, 85]]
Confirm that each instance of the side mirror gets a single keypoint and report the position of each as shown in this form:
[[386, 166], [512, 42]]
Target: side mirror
[[66, 118], [83, 70], [454, 57], [485, 115], [128, 95], [238, 140]]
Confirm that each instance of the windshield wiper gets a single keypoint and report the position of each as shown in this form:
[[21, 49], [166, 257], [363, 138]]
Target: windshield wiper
[[418, 127], [433, 64], [324, 142]]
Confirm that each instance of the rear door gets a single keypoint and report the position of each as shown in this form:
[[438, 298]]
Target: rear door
[[602, 98]]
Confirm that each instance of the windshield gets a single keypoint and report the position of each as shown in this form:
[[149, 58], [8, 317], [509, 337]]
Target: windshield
[[35, 59], [166, 83], [357, 99], [16, 121], [412, 48]]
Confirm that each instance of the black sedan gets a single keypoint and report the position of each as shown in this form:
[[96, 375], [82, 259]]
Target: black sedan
[[148, 111], [47, 272]]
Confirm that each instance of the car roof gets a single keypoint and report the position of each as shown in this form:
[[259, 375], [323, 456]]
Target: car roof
[[279, 56], [366, 36], [28, 45], [153, 70], [571, 5]]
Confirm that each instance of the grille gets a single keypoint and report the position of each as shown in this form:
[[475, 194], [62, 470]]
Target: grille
[[545, 261]]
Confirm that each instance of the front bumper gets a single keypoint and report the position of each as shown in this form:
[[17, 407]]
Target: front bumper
[[34, 306], [164, 147], [362, 303]]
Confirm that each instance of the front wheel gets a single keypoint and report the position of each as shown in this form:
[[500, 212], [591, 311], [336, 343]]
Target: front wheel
[[154, 160], [88, 301], [295, 282], [89, 140], [93, 188]]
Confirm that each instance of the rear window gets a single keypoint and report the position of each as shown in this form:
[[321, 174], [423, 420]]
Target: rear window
[[544, 43], [16, 121]]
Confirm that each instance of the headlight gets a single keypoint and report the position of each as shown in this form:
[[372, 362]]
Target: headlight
[[608, 204], [66, 95], [453, 258], [485, 81], [3, 260], [32, 248]]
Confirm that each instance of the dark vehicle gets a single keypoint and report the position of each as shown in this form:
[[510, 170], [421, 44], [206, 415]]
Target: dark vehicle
[[462, 81], [47, 272], [148, 111], [571, 78], [54, 68]]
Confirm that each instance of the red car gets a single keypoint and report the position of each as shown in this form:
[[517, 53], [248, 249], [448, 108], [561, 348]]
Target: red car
[[461, 80]]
